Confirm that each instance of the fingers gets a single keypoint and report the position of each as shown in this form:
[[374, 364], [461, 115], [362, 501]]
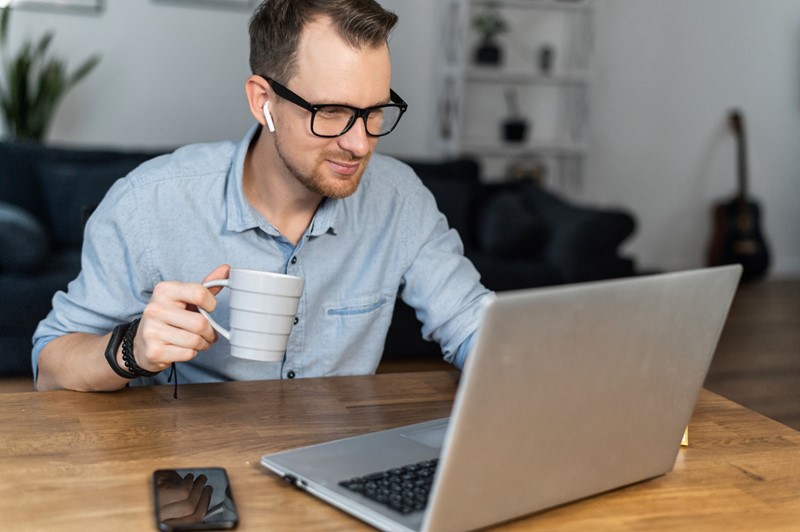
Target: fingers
[[174, 488], [221, 272], [171, 330], [192, 506]]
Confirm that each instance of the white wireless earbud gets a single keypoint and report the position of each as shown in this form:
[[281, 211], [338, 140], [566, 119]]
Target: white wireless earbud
[[270, 123]]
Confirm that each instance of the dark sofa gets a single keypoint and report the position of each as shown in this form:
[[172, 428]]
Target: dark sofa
[[518, 235]]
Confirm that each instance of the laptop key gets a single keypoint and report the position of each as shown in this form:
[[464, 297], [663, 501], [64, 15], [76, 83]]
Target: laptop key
[[404, 489]]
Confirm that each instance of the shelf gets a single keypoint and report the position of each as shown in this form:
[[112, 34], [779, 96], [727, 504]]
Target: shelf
[[553, 5], [490, 75], [497, 149]]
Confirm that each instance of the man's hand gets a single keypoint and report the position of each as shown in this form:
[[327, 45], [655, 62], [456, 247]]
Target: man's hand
[[183, 500], [171, 329]]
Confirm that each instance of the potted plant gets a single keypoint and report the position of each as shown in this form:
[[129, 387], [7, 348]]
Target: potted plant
[[515, 125], [489, 24], [34, 82]]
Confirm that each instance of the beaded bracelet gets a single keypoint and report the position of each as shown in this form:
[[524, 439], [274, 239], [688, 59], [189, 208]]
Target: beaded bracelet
[[127, 353], [117, 337]]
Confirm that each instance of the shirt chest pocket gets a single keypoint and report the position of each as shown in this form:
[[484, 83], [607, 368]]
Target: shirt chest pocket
[[359, 308], [353, 333], [358, 320]]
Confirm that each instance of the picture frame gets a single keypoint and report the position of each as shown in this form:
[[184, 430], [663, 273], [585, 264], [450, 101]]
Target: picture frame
[[240, 5], [85, 6]]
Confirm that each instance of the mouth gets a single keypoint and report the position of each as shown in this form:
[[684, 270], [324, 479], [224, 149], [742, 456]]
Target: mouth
[[343, 168]]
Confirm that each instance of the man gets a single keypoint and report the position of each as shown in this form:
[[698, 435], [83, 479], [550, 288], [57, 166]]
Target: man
[[301, 194]]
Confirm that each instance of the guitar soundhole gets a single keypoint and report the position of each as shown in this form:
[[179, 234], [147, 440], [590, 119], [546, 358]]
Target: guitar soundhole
[[745, 247]]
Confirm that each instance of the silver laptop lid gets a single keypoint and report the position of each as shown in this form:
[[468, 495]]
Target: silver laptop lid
[[576, 390]]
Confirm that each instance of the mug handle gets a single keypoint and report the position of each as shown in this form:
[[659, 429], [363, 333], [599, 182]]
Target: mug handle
[[217, 327]]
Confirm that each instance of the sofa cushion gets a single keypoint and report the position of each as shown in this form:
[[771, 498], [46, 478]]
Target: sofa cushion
[[508, 228], [23, 240], [18, 182], [578, 233], [72, 190]]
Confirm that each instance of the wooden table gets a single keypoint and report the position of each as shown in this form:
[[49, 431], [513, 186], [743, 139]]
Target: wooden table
[[82, 461]]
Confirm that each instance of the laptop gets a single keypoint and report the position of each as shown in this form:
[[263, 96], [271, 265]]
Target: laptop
[[568, 392]]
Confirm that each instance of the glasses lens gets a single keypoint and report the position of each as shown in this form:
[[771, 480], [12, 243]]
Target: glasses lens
[[382, 121], [331, 120], [334, 120]]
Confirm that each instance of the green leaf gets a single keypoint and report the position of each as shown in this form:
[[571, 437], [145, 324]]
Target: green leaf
[[5, 16], [35, 83], [83, 70], [44, 43]]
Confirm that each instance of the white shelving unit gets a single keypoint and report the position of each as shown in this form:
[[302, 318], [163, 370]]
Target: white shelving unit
[[473, 99]]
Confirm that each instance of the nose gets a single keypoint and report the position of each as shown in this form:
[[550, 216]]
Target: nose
[[356, 141]]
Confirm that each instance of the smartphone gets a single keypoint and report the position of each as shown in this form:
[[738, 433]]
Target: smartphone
[[194, 499]]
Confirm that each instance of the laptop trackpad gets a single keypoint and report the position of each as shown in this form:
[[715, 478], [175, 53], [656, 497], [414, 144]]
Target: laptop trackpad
[[431, 435]]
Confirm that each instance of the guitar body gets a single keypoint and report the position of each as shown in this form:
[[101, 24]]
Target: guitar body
[[738, 239], [737, 236]]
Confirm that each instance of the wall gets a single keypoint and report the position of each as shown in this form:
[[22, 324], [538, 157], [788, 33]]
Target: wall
[[666, 73], [172, 75], [169, 75]]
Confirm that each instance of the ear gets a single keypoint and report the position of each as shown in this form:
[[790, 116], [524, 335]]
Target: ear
[[259, 94]]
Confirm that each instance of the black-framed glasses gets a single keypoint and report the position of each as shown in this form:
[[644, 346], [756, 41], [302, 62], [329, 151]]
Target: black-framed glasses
[[334, 120]]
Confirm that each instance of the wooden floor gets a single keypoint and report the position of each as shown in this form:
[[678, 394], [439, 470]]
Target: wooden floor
[[757, 363]]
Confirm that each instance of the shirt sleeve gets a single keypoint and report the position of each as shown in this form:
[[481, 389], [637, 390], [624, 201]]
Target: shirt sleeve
[[463, 351], [114, 283], [441, 284]]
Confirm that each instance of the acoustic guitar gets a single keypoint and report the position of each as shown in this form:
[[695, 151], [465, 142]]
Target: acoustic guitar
[[737, 236]]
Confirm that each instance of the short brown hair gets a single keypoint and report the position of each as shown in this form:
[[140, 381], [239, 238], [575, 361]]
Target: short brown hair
[[276, 25]]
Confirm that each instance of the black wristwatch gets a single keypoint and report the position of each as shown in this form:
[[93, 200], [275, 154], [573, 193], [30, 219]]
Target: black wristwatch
[[113, 346], [123, 335]]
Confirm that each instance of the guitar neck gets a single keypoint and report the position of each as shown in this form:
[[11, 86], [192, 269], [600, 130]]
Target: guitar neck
[[736, 121]]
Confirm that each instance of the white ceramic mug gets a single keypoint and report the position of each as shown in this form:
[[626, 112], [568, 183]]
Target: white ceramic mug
[[262, 311]]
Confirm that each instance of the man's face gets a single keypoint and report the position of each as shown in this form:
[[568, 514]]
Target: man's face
[[330, 71]]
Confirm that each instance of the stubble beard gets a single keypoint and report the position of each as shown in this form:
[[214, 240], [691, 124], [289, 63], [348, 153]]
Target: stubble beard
[[317, 183]]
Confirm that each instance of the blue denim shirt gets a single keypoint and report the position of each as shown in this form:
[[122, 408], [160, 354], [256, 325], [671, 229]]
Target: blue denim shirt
[[179, 216]]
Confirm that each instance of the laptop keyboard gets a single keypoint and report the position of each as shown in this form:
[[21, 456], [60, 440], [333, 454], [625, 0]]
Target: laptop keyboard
[[404, 489]]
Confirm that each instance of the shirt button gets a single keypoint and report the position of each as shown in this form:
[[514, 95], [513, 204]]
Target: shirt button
[[294, 260], [296, 319], [290, 374]]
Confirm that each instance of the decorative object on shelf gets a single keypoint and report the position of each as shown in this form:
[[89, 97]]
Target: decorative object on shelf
[[224, 4], [489, 24], [90, 6], [515, 126], [35, 83], [546, 58], [532, 169]]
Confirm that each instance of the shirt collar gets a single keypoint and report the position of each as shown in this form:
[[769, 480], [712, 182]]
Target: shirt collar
[[242, 216]]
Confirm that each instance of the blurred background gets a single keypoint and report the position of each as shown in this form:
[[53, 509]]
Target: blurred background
[[643, 125]]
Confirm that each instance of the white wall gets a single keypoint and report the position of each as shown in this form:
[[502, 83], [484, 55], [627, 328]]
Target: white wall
[[169, 75], [666, 73]]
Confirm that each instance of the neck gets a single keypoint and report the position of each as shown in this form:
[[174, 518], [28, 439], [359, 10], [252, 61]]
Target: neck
[[275, 193]]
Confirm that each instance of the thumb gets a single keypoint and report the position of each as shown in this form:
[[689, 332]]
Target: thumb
[[220, 272]]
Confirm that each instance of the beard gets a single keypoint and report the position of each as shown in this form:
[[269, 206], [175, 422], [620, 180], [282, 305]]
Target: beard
[[315, 181]]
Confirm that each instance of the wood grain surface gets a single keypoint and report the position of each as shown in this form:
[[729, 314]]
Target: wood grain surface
[[82, 461]]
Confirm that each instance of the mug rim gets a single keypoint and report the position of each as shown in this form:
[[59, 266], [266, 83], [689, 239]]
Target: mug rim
[[265, 273]]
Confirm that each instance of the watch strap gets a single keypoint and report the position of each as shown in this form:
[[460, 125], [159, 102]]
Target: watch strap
[[117, 337]]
